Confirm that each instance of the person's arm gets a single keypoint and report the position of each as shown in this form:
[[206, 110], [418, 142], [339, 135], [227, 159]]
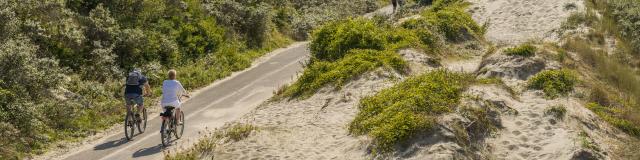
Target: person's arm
[[184, 91], [147, 88]]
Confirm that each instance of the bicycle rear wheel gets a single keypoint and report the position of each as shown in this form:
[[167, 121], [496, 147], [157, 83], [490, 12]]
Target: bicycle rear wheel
[[165, 133], [179, 128], [142, 123], [129, 126]]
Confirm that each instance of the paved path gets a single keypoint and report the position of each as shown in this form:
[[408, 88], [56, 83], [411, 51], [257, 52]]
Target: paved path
[[211, 107]]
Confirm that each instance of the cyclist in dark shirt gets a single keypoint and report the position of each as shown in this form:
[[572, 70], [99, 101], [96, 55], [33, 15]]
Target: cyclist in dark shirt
[[136, 87]]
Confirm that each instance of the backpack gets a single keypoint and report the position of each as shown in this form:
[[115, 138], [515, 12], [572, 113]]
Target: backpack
[[134, 79]]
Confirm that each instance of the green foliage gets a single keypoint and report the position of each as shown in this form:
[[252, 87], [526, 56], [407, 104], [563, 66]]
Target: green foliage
[[627, 15], [334, 40], [557, 111], [611, 115], [398, 113], [450, 19], [554, 83], [239, 131], [454, 23], [441, 4], [524, 50], [321, 73]]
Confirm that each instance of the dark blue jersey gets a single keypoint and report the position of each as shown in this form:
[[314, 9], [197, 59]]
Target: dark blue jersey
[[136, 89]]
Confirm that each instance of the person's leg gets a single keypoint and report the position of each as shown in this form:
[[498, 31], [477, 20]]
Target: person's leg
[[140, 101], [178, 115], [394, 3]]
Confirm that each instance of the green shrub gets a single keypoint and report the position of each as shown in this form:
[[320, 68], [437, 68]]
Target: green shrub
[[239, 131], [333, 40], [524, 50], [441, 4], [554, 82], [611, 115], [396, 114], [321, 73], [451, 21], [625, 14], [557, 111]]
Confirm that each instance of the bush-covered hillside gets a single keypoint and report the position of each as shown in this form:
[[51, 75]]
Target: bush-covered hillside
[[63, 61]]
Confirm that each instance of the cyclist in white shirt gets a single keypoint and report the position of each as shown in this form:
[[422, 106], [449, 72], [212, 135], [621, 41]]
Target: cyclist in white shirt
[[172, 90]]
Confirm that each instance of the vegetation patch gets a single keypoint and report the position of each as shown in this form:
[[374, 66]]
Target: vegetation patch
[[554, 83], [524, 50], [398, 113], [451, 21], [206, 145], [239, 131], [321, 73], [333, 40], [557, 111], [613, 116]]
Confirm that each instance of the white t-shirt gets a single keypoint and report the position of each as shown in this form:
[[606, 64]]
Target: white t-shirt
[[171, 90]]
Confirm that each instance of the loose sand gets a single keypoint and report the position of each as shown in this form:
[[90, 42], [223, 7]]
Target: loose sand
[[517, 21]]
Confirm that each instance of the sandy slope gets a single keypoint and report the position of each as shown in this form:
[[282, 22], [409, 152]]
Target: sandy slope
[[517, 21]]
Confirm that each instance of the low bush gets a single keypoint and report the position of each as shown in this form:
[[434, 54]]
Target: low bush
[[557, 111], [612, 116], [524, 50], [554, 82], [333, 40], [239, 131], [321, 73], [451, 20], [398, 113]]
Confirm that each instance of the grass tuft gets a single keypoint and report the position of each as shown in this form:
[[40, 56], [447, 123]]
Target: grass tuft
[[554, 83], [321, 73], [408, 108], [239, 131], [557, 111], [524, 50]]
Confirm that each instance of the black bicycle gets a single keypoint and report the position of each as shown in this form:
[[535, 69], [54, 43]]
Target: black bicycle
[[170, 125], [131, 121]]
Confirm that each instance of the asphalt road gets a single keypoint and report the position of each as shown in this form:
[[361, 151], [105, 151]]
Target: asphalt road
[[211, 107]]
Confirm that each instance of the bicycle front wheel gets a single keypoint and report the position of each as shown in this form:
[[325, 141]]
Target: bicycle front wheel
[[129, 126], [179, 127], [142, 123]]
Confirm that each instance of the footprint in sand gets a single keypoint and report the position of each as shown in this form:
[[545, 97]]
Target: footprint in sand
[[516, 132], [505, 142], [537, 123], [537, 148], [533, 115], [518, 123], [513, 147]]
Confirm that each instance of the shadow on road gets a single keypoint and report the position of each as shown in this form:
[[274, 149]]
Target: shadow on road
[[148, 151], [110, 144]]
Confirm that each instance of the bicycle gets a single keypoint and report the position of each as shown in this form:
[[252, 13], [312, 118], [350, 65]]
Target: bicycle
[[170, 125], [131, 122]]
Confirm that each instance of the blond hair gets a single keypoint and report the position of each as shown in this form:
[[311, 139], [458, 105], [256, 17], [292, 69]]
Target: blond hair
[[172, 74]]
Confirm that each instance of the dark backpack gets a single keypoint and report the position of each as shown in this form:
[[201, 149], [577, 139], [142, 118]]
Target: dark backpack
[[134, 79]]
